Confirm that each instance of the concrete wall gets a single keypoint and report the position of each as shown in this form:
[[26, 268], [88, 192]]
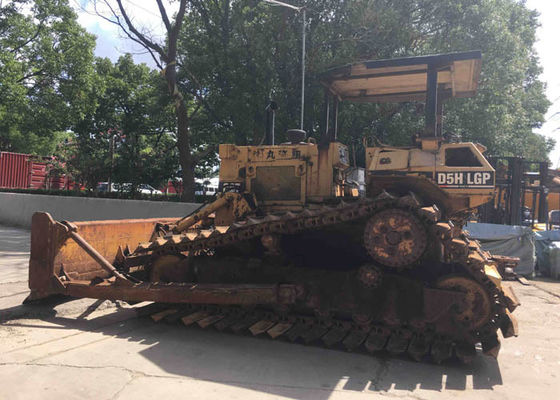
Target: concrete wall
[[16, 209]]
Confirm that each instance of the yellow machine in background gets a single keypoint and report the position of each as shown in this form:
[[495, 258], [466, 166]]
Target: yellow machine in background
[[290, 250]]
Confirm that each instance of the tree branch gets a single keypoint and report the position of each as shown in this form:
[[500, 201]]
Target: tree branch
[[126, 32], [180, 16], [145, 41], [31, 75], [32, 38], [163, 15]]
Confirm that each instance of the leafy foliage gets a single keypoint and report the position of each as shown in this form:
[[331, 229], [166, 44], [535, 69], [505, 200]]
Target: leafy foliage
[[46, 74], [133, 121], [232, 58], [245, 52]]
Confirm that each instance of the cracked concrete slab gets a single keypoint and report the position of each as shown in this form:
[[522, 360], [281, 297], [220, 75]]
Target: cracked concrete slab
[[88, 349], [46, 382]]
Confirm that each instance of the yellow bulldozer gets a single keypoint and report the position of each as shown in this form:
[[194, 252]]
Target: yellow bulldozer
[[290, 248]]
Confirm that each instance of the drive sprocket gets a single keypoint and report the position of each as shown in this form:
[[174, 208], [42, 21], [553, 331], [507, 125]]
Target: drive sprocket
[[395, 238]]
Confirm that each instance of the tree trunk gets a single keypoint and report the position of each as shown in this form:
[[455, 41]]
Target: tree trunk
[[186, 158]]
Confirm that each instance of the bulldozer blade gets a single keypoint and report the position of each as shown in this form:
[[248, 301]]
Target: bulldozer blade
[[53, 249]]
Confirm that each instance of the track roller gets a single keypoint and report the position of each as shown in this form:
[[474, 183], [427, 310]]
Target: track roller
[[441, 350], [418, 347], [398, 342], [334, 336], [354, 339], [377, 339]]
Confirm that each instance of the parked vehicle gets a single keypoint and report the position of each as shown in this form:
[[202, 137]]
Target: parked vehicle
[[104, 187], [143, 188], [206, 186]]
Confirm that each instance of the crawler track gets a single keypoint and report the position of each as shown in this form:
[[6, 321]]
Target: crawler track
[[418, 341]]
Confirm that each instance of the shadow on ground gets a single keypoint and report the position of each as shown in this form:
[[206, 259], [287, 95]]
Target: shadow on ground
[[274, 367]]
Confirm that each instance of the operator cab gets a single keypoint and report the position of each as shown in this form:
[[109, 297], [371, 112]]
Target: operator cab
[[453, 175]]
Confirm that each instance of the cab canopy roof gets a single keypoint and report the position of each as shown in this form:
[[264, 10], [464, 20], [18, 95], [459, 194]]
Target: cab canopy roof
[[405, 79]]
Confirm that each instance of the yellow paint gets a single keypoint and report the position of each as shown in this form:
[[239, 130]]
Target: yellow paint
[[493, 274]]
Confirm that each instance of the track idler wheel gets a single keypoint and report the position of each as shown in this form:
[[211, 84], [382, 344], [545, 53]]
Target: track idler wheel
[[477, 307], [395, 238]]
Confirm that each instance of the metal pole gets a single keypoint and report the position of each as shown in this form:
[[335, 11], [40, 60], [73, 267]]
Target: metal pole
[[112, 153], [303, 70], [431, 102], [273, 118]]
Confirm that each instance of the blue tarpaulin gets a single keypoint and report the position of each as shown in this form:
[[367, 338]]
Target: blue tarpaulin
[[547, 244], [506, 240]]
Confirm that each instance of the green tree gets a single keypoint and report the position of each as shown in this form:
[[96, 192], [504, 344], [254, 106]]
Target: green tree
[[164, 53], [244, 52], [46, 74], [129, 136]]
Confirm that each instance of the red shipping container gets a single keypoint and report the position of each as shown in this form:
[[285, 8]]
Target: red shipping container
[[37, 175], [58, 182], [14, 170], [24, 171]]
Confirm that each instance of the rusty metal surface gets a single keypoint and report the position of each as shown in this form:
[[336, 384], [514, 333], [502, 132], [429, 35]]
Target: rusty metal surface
[[51, 248], [401, 317], [105, 237], [395, 238], [477, 309], [185, 293], [93, 253], [14, 170]]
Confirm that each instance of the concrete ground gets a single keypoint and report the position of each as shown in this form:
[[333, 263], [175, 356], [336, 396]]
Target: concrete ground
[[87, 349]]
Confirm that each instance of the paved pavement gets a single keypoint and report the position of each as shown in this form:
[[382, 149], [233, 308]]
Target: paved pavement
[[87, 349]]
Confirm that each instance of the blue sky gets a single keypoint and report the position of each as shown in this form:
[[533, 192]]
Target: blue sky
[[111, 43]]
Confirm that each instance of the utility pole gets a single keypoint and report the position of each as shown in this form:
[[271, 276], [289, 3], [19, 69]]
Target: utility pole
[[304, 25]]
